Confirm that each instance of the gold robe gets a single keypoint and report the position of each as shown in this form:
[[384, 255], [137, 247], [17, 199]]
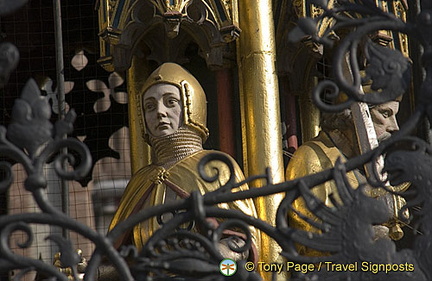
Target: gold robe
[[312, 157], [152, 184], [321, 154]]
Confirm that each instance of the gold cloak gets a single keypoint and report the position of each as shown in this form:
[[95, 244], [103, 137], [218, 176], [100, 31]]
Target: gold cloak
[[148, 187], [310, 158]]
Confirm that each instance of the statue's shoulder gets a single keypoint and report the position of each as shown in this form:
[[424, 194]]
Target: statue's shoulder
[[313, 156], [312, 149]]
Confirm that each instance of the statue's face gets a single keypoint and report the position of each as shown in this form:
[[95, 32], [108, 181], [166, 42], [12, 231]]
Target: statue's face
[[162, 109], [384, 119]]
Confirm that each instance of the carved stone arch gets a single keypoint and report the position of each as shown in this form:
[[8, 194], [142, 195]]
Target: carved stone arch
[[138, 35], [208, 22]]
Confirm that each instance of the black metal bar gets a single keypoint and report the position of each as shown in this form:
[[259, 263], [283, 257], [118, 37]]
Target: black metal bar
[[61, 98]]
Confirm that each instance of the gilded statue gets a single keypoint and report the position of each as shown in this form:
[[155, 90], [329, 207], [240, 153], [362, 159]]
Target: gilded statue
[[338, 139], [172, 109]]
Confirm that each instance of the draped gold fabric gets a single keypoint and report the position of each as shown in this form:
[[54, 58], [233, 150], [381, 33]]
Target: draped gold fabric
[[153, 184], [310, 158]]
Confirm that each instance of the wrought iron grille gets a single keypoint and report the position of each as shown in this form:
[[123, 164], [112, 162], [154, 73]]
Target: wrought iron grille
[[175, 254]]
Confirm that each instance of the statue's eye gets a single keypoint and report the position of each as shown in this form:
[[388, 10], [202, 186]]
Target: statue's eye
[[149, 106], [171, 102], [385, 113]]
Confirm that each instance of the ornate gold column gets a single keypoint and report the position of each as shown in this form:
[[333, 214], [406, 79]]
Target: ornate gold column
[[139, 149], [259, 94]]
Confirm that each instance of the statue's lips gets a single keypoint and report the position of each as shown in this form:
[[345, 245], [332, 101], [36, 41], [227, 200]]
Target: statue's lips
[[163, 126]]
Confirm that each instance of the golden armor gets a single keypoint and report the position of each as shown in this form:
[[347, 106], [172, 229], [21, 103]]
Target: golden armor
[[173, 173]]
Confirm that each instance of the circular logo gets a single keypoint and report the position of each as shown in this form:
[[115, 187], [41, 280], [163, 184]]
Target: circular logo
[[228, 267]]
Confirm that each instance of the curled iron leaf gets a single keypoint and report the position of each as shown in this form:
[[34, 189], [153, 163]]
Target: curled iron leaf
[[30, 127], [389, 71]]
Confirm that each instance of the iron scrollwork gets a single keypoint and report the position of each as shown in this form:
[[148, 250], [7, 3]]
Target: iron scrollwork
[[406, 158]]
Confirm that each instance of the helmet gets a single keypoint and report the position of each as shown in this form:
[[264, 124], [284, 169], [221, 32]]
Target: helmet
[[192, 95]]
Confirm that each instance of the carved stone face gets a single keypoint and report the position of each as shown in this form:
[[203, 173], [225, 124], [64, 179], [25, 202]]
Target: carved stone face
[[162, 109], [384, 119]]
